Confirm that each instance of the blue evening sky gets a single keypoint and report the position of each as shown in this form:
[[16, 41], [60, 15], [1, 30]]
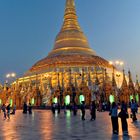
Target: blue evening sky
[[28, 29]]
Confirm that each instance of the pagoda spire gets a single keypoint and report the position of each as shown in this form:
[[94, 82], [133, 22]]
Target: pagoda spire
[[114, 85], [131, 84], [124, 83], [124, 90], [137, 86], [70, 17], [71, 38]]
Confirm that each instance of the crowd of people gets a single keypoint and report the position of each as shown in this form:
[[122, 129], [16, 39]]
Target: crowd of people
[[8, 110], [112, 108], [123, 115], [27, 108], [113, 112]]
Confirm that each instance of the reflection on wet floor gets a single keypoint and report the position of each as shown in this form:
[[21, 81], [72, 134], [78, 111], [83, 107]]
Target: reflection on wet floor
[[43, 125]]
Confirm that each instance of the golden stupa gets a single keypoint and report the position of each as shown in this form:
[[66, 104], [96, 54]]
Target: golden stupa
[[71, 47], [71, 68]]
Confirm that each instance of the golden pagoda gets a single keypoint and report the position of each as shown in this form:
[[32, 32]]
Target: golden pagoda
[[64, 73], [71, 48]]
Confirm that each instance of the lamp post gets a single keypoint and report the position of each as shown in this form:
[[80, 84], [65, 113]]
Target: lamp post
[[116, 63], [10, 76]]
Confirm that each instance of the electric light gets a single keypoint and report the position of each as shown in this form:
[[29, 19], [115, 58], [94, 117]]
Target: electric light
[[13, 74], [121, 63], [8, 75], [110, 62], [117, 62]]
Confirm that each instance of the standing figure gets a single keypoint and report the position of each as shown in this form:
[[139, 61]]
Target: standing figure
[[14, 110], [114, 117], [58, 108], [53, 108], [93, 111], [30, 108], [4, 110], [133, 110], [65, 108], [8, 111], [124, 116], [25, 108], [75, 109], [100, 106], [124, 106], [83, 110]]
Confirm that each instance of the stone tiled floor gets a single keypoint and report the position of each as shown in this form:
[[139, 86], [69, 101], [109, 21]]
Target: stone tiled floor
[[42, 125]]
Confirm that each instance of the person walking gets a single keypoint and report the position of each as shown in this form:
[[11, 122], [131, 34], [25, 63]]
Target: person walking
[[65, 108], [124, 106], [8, 111], [124, 116], [14, 110], [58, 108], [114, 117], [4, 111], [100, 106], [30, 108], [93, 111], [53, 108], [83, 110], [25, 108], [75, 109], [133, 110]]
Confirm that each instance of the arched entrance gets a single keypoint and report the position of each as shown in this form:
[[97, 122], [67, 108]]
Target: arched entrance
[[81, 98], [67, 100]]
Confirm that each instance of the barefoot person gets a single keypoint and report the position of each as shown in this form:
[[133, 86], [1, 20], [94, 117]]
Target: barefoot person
[[83, 110], [4, 110], [8, 111], [114, 117], [133, 110], [124, 116], [93, 111]]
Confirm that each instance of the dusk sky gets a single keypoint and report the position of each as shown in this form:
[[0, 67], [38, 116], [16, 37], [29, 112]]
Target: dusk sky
[[28, 29]]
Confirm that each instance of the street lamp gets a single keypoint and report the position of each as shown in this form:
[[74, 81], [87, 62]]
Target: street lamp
[[116, 63], [11, 75]]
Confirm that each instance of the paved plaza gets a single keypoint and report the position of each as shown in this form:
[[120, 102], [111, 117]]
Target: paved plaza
[[42, 125]]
